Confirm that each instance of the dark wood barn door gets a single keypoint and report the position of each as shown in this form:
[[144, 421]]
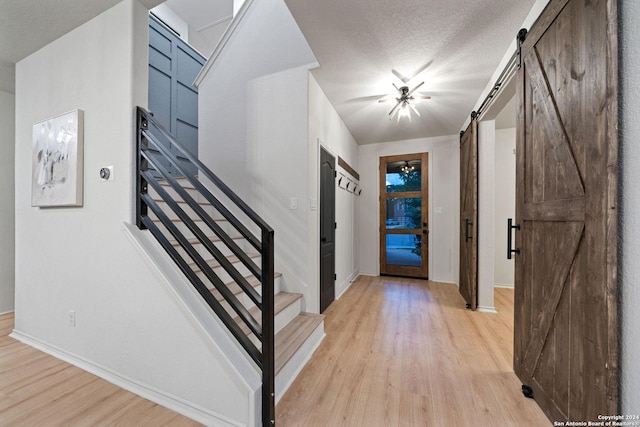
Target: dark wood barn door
[[469, 215], [566, 342]]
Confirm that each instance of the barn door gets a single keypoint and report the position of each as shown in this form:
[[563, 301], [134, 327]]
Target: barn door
[[565, 291], [469, 215]]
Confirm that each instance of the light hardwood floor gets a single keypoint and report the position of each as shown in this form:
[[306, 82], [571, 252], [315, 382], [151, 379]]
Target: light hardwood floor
[[39, 390], [402, 352]]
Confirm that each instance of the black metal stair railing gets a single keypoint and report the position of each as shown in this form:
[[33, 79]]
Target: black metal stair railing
[[156, 150]]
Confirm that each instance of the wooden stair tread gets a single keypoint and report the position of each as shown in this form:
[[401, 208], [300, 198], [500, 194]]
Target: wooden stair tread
[[186, 185], [235, 288], [281, 301], [213, 263], [196, 241], [292, 336]]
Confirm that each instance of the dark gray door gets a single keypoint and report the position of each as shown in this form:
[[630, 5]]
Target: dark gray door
[[327, 229], [173, 66]]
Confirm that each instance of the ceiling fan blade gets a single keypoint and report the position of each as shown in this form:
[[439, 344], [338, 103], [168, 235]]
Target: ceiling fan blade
[[421, 69], [414, 109], [394, 109], [387, 98], [396, 87], [400, 76], [414, 89]]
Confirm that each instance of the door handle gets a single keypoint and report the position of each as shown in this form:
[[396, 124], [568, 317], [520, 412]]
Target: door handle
[[510, 227], [467, 237], [323, 240]]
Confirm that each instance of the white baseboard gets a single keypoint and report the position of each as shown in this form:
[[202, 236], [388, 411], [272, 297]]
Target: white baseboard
[[188, 409], [6, 311], [484, 309], [347, 284], [505, 286], [365, 273], [448, 282]]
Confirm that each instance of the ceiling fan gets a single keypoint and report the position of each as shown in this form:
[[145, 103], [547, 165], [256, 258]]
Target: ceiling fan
[[405, 101]]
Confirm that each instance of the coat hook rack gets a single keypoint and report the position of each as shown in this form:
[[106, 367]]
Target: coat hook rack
[[346, 183]]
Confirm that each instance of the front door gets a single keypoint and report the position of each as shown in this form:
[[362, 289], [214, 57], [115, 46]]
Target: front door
[[404, 219], [566, 332], [327, 229], [469, 215]]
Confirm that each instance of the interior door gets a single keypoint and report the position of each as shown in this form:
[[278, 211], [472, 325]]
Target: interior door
[[404, 220], [469, 215], [566, 341], [327, 229], [173, 67]]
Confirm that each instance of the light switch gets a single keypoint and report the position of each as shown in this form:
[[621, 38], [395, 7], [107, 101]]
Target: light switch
[[294, 203], [313, 204]]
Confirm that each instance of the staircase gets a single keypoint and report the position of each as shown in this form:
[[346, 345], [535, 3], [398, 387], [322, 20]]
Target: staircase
[[213, 238]]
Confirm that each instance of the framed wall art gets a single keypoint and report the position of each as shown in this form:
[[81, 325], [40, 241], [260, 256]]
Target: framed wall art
[[57, 161]]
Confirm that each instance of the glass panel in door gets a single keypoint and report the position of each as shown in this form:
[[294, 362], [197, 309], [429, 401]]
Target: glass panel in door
[[403, 215]]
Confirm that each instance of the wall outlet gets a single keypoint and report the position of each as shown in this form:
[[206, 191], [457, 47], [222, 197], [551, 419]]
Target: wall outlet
[[438, 210], [72, 318], [293, 203]]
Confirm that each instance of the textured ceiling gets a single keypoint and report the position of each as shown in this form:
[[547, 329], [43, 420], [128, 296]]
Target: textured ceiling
[[28, 25], [455, 44], [201, 14]]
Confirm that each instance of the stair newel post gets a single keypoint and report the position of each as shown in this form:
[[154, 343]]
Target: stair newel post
[[268, 340], [141, 165]]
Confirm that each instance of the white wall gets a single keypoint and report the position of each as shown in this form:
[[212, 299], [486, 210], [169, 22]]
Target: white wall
[[127, 324], [276, 150], [327, 129], [7, 167], [202, 41], [629, 271], [505, 204], [444, 192], [254, 109], [175, 22], [486, 205]]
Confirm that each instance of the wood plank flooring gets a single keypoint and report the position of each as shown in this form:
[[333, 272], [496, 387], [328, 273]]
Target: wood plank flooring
[[403, 352], [39, 390]]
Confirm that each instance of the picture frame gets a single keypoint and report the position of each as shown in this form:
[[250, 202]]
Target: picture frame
[[58, 161]]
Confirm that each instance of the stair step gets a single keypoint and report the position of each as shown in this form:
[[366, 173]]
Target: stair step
[[215, 264], [184, 183], [196, 241], [236, 289], [281, 301], [292, 336]]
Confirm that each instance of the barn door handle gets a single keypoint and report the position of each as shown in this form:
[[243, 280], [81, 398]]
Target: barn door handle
[[510, 227], [467, 237], [323, 240]]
